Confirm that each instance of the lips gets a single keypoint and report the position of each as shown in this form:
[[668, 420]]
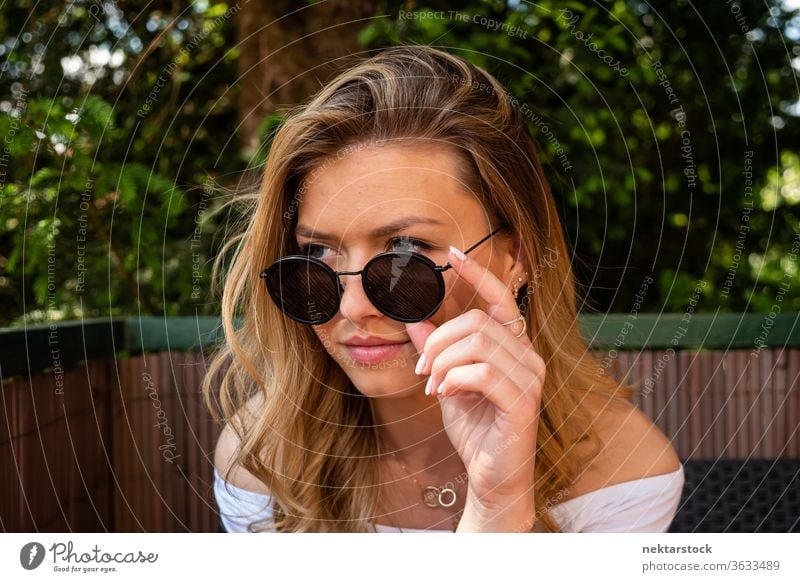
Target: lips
[[373, 354], [370, 341]]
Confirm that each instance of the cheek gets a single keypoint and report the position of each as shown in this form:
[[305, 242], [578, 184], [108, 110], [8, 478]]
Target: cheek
[[325, 336]]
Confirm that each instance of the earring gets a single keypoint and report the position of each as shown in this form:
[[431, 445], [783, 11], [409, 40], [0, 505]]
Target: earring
[[516, 290]]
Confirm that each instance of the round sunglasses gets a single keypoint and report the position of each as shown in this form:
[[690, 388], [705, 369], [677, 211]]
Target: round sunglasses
[[403, 285]]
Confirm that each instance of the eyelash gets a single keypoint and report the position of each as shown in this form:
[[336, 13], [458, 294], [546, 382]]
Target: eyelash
[[305, 248]]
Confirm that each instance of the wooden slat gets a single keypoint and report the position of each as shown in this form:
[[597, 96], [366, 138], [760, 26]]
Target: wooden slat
[[779, 394], [740, 378], [687, 401], [793, 406], [755, 389], [717, 405], [120, 459], [767, 369], [193, 446], [694, 437], [649, 384], [174, 404]]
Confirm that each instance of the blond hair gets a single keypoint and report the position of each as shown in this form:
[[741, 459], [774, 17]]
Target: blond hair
[[311, 437]]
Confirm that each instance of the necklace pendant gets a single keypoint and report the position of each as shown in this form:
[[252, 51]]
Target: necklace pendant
[[431, 496], [443, 493]]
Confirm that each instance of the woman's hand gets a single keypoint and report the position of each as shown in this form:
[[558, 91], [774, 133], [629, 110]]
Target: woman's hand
[[489, 386]]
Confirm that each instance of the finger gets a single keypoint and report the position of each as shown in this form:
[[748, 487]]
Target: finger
[[478, 321], [419, 333], [522, 367], [483, 378], [501, 304]]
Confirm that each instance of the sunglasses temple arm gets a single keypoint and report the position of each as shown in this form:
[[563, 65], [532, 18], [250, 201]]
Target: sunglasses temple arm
[[487, 237]]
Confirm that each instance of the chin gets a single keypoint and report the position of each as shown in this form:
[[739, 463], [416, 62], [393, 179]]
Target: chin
[[377, 384]]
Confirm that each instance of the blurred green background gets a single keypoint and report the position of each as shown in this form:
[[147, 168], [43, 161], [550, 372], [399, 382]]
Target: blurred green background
[[669, 133]]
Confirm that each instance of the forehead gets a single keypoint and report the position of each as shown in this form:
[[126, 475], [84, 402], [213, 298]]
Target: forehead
[[377, 184]]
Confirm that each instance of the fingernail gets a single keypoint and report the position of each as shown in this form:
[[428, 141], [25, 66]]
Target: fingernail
[[428, 386], [420, 365], [458, 253], [440, 389]]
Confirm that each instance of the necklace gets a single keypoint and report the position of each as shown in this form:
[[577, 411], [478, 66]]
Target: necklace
[[433, 496]]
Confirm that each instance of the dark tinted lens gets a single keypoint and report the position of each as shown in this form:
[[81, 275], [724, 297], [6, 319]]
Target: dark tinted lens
[[404, 287], [304, 290]]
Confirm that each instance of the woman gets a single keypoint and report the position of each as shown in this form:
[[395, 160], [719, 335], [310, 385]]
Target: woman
[[420, 388]]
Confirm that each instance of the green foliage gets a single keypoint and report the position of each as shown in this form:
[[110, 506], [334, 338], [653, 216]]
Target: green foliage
[[110, 154], [628, 206], [116, 123]]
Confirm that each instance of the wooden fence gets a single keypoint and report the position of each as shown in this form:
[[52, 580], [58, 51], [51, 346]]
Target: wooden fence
[[119, 439]]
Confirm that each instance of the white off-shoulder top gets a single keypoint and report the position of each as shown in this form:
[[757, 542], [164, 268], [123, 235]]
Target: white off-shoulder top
[[642, 505]]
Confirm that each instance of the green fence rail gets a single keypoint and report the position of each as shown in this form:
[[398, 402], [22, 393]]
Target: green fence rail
[[26, 351]]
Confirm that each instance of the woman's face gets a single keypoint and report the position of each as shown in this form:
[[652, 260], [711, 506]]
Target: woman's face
[[374, 186]]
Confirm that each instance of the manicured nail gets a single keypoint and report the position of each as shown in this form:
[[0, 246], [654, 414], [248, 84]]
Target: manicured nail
[[420, 365], [458, 253], [440, 389], [428, 386]]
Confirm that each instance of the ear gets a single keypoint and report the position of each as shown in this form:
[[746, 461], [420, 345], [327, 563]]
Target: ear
[[517, 262]]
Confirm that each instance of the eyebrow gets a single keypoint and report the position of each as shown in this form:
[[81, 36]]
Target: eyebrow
[[381, 231]]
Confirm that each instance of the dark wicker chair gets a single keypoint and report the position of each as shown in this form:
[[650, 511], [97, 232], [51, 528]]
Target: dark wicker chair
[[733, 495]]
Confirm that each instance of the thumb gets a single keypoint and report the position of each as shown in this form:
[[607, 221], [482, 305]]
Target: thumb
[[419, 332]]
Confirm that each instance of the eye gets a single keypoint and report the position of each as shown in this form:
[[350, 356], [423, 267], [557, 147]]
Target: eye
[[405, 243], [410, 244], [308, 249]]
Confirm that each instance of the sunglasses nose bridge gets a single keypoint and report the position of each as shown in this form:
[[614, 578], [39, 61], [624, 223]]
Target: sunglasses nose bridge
[[358, 302], [340, 273]]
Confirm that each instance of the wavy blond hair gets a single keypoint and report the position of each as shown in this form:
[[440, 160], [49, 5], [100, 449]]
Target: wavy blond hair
[[308, 434]]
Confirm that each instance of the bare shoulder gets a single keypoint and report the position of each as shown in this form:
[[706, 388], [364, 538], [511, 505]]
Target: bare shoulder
[[225, 455], [633, 447]]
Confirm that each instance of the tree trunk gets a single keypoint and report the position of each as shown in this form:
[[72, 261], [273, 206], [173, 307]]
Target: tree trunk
[[288, 50]]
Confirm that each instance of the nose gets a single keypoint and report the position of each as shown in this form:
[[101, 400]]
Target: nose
[[355, 305]]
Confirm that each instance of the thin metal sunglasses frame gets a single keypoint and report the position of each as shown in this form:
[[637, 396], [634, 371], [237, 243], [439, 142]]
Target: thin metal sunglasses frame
[[437, 269]]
